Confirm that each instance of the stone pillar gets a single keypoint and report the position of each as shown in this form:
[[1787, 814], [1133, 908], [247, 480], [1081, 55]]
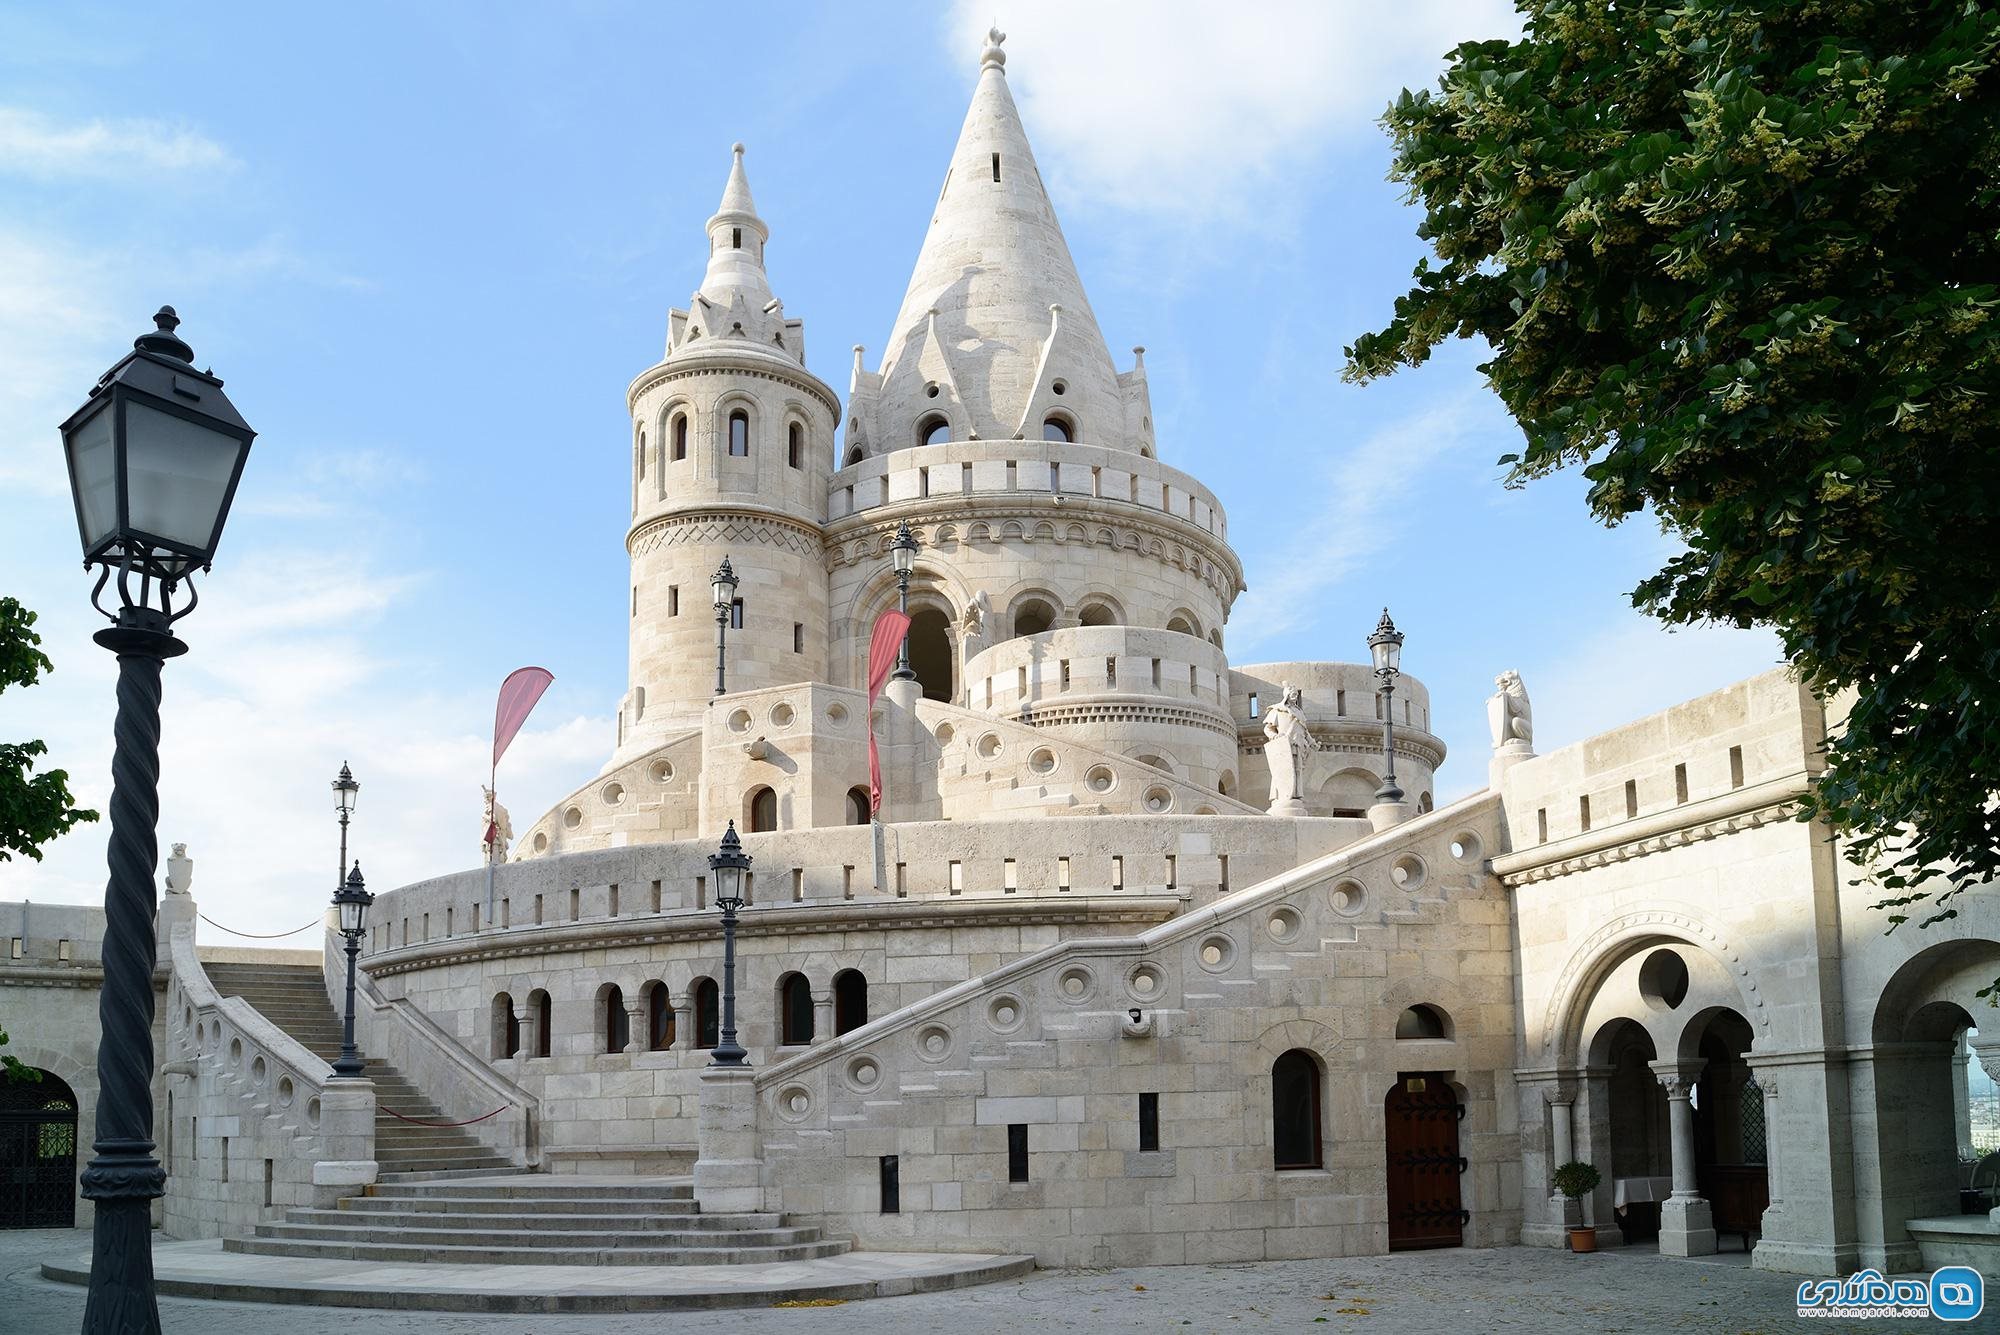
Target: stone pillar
[[728, 1166], [1383, 815], [1562, 1149], [1961, 1094], [346, 1161], [1687, 1226], [685, 1038], [636, 1025], [1986, 1048], [822, 1016], [530, 1039]]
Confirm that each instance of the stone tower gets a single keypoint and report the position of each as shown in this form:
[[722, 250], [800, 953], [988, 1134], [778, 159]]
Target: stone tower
[[732, 446]]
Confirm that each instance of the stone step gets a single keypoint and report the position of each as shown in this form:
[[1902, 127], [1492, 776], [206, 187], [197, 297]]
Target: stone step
[[556, 1186], [541, 1254], [559, 1214], [531, 1233]]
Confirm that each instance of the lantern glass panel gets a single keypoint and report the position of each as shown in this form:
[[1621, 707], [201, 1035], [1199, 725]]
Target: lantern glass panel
[[906, 558], [94, 461], [728, 884], [351, 912], [178, 475]]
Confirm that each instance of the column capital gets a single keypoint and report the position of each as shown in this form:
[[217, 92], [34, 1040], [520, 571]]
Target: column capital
[[1561, 1094], [1679, 1077], [1987, 1050]]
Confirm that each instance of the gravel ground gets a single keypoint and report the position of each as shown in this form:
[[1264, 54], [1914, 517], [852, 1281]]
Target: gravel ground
[[1510, 1289]]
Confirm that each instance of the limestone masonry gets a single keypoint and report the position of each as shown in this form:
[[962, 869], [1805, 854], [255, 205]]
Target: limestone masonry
[[1099, 984]]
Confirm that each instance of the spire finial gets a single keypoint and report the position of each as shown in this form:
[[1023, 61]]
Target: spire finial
[[991, 57], [737, 148], [162, 338]]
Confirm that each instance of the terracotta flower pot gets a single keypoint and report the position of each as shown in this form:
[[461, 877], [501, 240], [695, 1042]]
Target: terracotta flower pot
[[1583, 1239]]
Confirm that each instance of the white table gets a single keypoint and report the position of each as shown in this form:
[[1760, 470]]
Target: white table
[[1631, 1190]]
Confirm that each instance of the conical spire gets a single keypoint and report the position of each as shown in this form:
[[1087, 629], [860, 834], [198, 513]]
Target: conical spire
[[736, 237], [996, 292]]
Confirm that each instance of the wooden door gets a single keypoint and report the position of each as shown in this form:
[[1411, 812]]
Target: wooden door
[[1420, 1124]]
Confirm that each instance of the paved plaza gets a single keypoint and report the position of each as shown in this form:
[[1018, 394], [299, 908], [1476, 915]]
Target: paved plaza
[[1509, 1289]]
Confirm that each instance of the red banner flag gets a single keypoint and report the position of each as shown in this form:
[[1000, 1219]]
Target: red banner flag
[[883, 644], [518, 696]]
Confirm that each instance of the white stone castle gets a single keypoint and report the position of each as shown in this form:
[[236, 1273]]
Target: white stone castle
[[1141, 960]]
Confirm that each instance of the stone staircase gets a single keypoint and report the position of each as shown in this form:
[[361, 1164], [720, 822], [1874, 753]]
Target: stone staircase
[[535, 1220], [293, 997]]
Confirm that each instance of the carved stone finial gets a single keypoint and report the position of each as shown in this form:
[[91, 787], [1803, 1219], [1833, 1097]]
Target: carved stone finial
[[991, 56]]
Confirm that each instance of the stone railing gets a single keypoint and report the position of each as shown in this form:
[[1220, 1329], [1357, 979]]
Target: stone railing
[[1065, 666], [257, 1123], [462, 1085], [988, 467]]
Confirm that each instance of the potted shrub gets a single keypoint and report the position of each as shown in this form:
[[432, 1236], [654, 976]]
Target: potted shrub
[[1576, 1180]]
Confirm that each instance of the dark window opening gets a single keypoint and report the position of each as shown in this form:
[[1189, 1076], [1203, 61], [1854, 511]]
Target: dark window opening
[[736, 238], [795, 446], [680, 437], [659, 1019], [933, 431], [739, 434], [617, 1024], [1421, 1021], [1149, 1121], [1055, 428], [892, 1185], [544, 1017], [996, 172], [858, 806], [1295, 1125], [707, 1013], [850, 1001], [1017, 1152], [736, 614], [763, 811], [795, 1010]]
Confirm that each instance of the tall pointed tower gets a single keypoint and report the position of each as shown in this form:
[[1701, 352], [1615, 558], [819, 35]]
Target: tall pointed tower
[[995, 339], [732, 447]]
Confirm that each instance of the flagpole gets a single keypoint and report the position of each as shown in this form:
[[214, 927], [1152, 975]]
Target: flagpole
[[492, 780]]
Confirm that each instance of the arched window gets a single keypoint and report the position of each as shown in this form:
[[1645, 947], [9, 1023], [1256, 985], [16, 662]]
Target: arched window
[[617, 1027], [857, 806], [1421, 1021], [642, 452], [1424, 803], [933, 430], [1295, 1126], [1033, 617], [1181, 625], [544, 1013], [707, 1013], [739, 434], [763, 811], [659, 1019], [1056, 427], [795, 1010], [850, 1000], [1096, 614], [854, 456], [506, 1027], [795, 446], [680, 433]]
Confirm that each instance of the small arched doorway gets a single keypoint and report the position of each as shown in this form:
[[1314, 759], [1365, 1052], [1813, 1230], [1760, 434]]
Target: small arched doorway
[[763, 811], [1295, 1111], [37, 1153], [707, 1013], [1420, 1118], [858, 806], [795, 1011], [1731, 1152], [931, 653]]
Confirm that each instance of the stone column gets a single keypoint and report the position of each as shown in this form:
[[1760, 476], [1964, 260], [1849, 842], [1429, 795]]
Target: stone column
[[1687, 1226], [822, 1016], [728, 1167], [1961, 1094], [530, 1039], [1562, 1149], [636, 1025], [685, 1038], [346, 1148]]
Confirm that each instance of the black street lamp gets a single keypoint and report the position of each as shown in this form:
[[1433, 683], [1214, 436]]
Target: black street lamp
[[352, 899], [154, 456], [345, 793], [904, 552], [729, 864], [1385, 646], [722, 587]]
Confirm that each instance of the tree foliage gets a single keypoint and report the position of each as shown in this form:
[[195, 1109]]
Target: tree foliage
[[11, 1068], [1737, 261], [34, 808]]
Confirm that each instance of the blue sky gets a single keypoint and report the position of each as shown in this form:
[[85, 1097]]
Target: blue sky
[[427, 246]]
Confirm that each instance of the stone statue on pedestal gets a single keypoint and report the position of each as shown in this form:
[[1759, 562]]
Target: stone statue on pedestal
[[1509, 716], [497, 831], [180, 870], [1287, 744]]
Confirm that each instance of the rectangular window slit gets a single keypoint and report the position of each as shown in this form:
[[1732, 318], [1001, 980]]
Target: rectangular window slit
[[1222, 872], [612, 900], [902, 880], [736, 614], [673, 600], [1017, 1151], [1149, 1121], [1255, 708], [923, 482], [270, 1179], [1110, 672], [1063, 668], [1340, 702], [1680, 783], [996, 166], [798, 885], [957, 878], [846, 882], [62, 949], [701, 892], [1009, 876], [1173, 872], [1631, 798], [1583, 813], [1542, 825], [1735, 767], [575, 903], [892, 1185], [798, 637], [1062, 873], [1117, 872], [656, 896]]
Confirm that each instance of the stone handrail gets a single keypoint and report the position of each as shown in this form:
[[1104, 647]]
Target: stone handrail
[[1480, 806], [993, 676], [463, 1086]]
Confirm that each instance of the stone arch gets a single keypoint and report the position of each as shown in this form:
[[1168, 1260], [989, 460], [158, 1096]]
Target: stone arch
[[705, 999], [1100, 609], [503, 1027], [794, 420], [1184, 622], [1615, 942], [1032, 612], [760, 810], [850, 1000], [610, 1021], [1348, 791], [727, 405], [1950, 970], [660, 1020], [793, 1009]]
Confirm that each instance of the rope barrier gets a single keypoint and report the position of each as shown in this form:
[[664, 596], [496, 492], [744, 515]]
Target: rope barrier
[[413, 1121], [257, 936]]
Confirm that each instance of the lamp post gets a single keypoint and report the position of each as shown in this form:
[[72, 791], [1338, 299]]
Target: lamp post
[[729, 865], [1385, 646], [352, 900], [722, 587], [904, 552], [154, 455], [345, 793]]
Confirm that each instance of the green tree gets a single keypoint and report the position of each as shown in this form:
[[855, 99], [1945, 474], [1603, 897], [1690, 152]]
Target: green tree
[[1737, 261], [11, 1069], [34, 808]]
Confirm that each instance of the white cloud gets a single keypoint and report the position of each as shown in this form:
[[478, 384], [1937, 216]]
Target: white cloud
[[38, 145], [1185, 105], [1366, 509]]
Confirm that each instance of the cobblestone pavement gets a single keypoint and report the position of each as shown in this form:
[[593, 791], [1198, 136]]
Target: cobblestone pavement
[[1511, 1289]]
